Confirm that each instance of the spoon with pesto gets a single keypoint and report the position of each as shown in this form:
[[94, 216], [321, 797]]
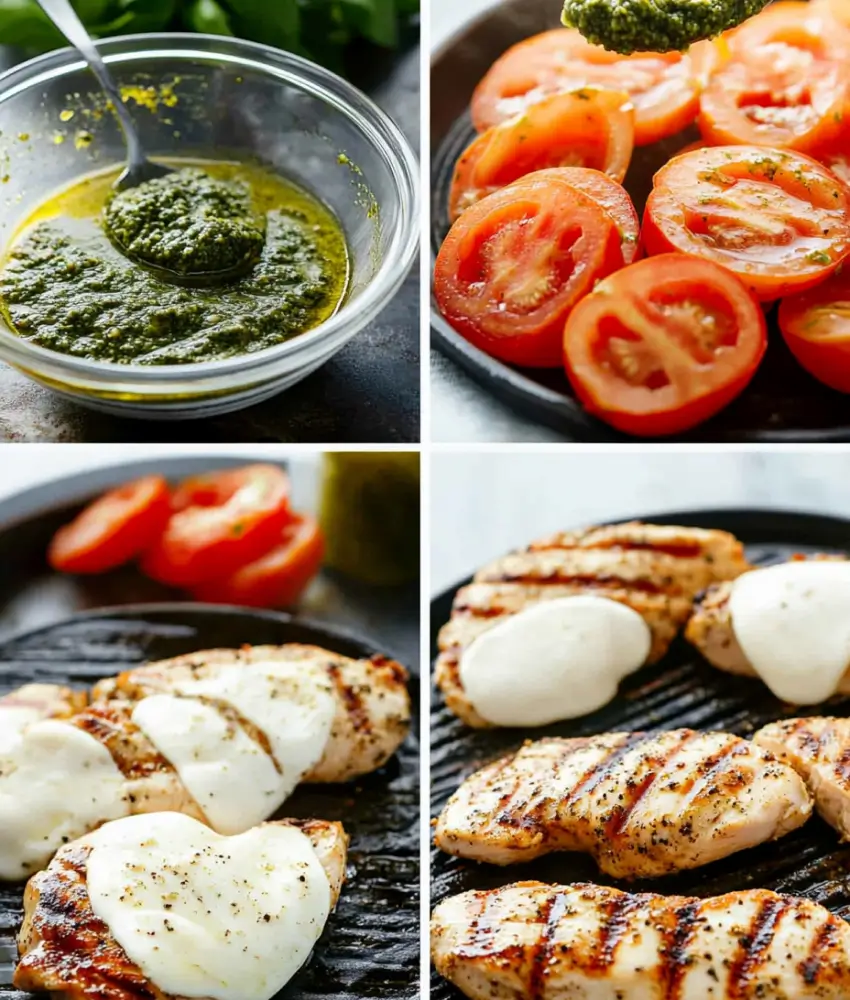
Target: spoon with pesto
[[628, 26], [182, 225]]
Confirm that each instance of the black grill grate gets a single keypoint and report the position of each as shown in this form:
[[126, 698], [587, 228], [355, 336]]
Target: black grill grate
[[370, 948], [680, 691]]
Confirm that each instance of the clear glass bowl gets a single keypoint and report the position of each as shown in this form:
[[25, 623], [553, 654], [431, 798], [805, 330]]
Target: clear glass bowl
[[211, 97]]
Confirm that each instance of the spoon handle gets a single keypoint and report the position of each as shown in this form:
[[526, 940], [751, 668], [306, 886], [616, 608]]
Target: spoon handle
[[65, 18]]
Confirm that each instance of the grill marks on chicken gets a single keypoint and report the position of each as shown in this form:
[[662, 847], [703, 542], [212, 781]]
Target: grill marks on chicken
[[642, 805], [531, 941], [655, 570], [67, 950]]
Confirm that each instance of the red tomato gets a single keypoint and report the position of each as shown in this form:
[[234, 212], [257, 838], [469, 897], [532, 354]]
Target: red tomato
[[778, 219], [664, 88], [611, 196], [816, 326], [113, 529], [808, 26], [586, 128], [278, 578], [515, 264], [838, 161], [839, 9], [663, 345], [222, 521]]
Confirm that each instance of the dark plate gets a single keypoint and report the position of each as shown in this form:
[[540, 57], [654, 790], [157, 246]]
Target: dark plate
[[682, 690], [370, 947], [783, 402]]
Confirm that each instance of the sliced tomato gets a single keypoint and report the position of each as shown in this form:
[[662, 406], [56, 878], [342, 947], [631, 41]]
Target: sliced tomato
[[839, 9], [279, 577], [816, 326], [664, 88], [778, 219], [112, 530], [584, 128], [808, 26], [663, 345], [611, 196], [222, 521], [776, 95], [515, 264], [838, 161]]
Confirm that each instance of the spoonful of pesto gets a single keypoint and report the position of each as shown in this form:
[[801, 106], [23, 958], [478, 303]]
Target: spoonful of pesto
[[182, 225], [628, 26]]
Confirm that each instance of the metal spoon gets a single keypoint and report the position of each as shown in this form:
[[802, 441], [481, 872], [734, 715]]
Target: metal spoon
[[139, 168]]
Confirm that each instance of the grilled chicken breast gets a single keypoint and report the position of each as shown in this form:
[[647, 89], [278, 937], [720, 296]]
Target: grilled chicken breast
[[655, 570], [642, 805], [68, 951], [531, 941], [710, 630], [45, 701], [373, 705], [819, 750]]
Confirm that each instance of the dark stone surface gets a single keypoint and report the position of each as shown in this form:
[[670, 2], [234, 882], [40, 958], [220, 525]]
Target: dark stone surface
[[369, 392]]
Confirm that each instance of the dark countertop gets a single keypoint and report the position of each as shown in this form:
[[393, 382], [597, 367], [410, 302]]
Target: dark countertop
[[369, 392]]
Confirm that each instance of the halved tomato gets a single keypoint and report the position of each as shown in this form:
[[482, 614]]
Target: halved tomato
[[279, 577], [611, 196], [808, 26], [222, 521], [816, 326], [778, 219], [515, 264], [664, 88], [663, 345], [776, 95], [584, 128], [113, 529]]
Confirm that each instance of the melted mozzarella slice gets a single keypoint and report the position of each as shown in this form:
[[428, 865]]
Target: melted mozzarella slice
[[13, 720], [56, 783], [558, 659], [793, 623], [231, 918]]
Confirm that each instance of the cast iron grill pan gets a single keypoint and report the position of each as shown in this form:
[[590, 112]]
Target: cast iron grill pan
[[370, 947], [783, 402], [680, 691]]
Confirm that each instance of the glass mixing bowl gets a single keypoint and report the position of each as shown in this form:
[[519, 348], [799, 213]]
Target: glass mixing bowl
[[206, 96]]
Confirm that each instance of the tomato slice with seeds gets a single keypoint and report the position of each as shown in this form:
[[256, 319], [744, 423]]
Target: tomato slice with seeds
[[662, 345], [778, 219], [584, 128], [664, 88], [808, 26], [515, 264], [816, 327], [611, 196]]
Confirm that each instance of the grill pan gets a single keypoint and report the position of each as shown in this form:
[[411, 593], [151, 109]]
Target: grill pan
[[370, 947], [680, 691]]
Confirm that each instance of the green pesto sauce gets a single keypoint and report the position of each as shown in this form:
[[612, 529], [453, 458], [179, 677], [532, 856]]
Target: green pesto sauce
[[66, 287]]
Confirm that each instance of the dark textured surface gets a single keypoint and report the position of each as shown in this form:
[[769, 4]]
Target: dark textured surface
[[682, 690], [370, 946], [783, 403], [369, 392]]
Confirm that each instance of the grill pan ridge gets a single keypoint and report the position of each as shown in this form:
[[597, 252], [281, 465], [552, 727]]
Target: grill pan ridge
[[680, 691], [370, 947]]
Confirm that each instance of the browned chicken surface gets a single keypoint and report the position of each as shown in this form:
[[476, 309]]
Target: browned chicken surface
[[45, 701], [819, 749], [710, 630], [655, 570], [68, 951], [531, 941], [642, 805]]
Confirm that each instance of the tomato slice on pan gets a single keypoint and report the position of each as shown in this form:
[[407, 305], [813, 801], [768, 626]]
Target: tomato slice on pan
[[514, 265], [113, 529], [584, 128], [816, 326], [663, 345], [664, 88], [222, 521], [778, 219], [803, 25], [276, 579]]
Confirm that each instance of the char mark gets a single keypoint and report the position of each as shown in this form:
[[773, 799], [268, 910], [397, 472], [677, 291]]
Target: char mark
[[754, 946]]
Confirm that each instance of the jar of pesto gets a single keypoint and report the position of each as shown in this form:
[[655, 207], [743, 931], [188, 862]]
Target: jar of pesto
[[370, 515]]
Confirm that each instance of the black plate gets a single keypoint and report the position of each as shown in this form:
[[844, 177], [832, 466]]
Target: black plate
[[783, 403], [370, 947], [682, 690]]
